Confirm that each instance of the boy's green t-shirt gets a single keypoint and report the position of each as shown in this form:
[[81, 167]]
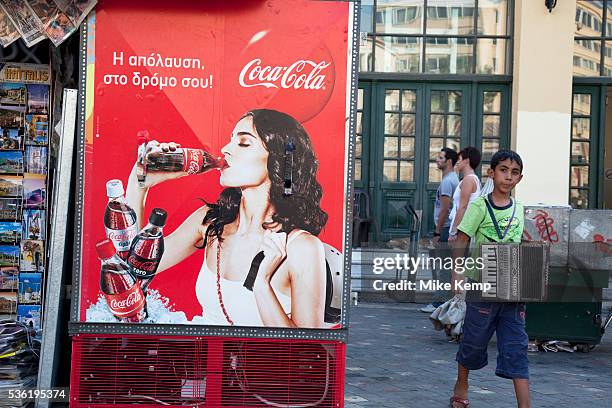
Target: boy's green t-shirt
[[477, 224]]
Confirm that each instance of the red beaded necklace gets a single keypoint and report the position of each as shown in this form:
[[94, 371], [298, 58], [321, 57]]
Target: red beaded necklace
[[229, 320]]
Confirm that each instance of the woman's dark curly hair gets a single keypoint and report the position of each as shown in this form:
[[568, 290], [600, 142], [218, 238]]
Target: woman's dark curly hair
[[299, 210]]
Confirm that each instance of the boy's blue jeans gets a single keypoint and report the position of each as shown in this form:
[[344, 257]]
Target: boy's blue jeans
[[507, 320]]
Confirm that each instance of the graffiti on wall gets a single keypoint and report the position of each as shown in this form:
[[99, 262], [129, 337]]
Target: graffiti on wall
[[544, 227], [602, 244]]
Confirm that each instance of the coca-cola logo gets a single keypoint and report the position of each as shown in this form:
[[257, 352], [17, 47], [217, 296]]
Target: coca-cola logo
[[302, 74], [121, 235], [133, 299], [293, 72], [193, 161]]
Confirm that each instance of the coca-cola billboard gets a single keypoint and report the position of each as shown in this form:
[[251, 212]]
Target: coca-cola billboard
[[215, 163]]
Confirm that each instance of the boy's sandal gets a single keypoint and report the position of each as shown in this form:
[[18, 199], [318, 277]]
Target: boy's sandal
[[461, 403]]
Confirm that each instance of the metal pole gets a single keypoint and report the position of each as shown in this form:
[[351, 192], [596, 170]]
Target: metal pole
[[59, 220]]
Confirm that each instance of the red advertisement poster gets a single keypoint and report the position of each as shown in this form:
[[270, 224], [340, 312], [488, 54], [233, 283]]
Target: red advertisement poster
[[215, 163]]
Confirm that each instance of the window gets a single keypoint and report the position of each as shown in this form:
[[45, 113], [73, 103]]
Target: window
[[463, 63], [592, 38], [412, 12], [492, 136], [437, 12], [400, 135], [399, 16], [586, 19], [580, 160], [438, 40], [404, 40], [477, 29], [438, 65]]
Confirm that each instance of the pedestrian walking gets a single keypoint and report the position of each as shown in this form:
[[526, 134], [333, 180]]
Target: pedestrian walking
[[468, 189], [498, 218], [446, 160]]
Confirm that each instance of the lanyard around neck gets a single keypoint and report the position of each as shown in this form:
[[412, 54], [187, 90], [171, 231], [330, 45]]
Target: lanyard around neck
[[494, 220]]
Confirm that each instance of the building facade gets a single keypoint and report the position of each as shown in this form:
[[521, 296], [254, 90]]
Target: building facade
[[486, 73]]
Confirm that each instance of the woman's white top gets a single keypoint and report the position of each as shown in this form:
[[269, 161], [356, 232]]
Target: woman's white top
[[457, 197], [239, 302]]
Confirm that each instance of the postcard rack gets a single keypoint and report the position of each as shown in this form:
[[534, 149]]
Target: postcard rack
[[24, 161]]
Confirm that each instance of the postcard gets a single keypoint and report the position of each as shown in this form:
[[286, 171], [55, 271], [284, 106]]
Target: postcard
[[38, 99], [12, 117], [11, 161], [29, 315], [12, 94], [36, 159], [9, 278], [33, 224], [30, 288], [11, 138], [32, 256], [9, 255], [10, 232], [37, 128], [10, 208], [10, 186], [8, 302], [34, 190]]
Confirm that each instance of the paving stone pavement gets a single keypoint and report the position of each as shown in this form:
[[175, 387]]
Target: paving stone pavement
[[396, 360]]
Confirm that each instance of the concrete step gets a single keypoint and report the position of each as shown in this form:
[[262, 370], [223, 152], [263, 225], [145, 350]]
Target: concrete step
[[363, 275]]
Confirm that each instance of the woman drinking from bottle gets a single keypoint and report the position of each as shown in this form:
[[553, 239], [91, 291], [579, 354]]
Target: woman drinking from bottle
[[270, 204]]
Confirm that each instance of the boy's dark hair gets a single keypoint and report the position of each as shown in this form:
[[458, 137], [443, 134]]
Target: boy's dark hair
[[450, 154], [471, 153], [506, 154]]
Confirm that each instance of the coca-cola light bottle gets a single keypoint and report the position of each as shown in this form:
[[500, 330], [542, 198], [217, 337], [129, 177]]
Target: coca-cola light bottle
[[122, 292], [147, 248], [151, 158], [119, 219]]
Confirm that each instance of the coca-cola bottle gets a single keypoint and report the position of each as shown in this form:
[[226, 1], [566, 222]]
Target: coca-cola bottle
[[152, 157], [119, 219], [122, 292], [147, 248]]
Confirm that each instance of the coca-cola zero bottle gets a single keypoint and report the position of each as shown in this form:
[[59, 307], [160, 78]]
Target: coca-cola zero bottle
[[119, 219], [123, 294], [152, 157], [147, 248]]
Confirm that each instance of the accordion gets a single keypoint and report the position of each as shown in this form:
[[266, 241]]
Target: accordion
[[515, 272]]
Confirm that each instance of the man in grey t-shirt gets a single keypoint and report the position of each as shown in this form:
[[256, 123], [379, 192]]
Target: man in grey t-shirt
[[444, 196], [444, 200]]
